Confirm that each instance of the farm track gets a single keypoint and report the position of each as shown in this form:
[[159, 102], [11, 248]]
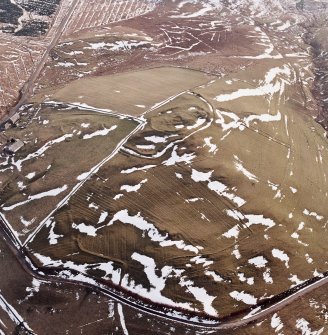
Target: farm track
[[13, 315]]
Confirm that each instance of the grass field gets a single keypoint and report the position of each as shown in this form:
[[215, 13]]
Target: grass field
[[125, 92]]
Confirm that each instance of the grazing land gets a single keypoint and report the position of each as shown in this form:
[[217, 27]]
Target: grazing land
[[185, 189], [111, 91]]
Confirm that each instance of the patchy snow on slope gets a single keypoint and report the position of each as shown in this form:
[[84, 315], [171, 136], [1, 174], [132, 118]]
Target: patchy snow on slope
[[207, 6], [235, 252], [118, 196], [107, 267], [85, 229], [157, 279], [243, 278], [276, 323], [25, 222], [249, 92], [314, 214], [197, 124], [214, 275], [110, 273], [146, 146], [30, 175], [281, 255], [246, 298], [153, 233], [133, 188], [212, 147], [295, 280], [232, 232], [156, 139], [51, 193], [304, 327], [118, 45], [259, 220], [267, 276], [103, 217], [21, 185], [308, 258], [258, 261], [259, 7], [52, 237], [199, 294], [239, 166], [222, 189], [141, 168], [35, 288], [201, 260], [270, 85], [186, 158], [284, 26], [41, 150], [293, 189], [101, 132], [198, 176]]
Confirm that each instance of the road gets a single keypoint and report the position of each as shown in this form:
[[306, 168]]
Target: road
[[28, 88], [14, 316]]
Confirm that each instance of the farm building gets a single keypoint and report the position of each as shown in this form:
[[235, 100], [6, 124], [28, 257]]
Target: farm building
[[13, 146], [11, 121]]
